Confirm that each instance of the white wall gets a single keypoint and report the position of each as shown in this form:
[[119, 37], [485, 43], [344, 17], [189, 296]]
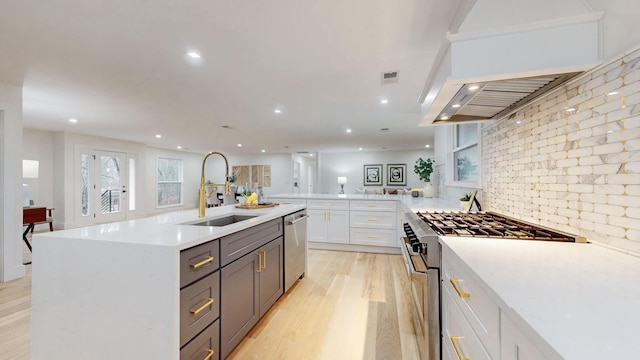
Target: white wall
[[10, 183], [351, 165]]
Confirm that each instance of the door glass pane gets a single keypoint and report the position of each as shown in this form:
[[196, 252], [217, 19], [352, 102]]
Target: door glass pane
[[84, 194], [132, 184], [110, 184]]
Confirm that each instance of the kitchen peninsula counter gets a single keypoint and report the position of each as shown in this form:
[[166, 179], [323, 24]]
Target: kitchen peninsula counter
[[573, 301], [112, 291], [413, 204]]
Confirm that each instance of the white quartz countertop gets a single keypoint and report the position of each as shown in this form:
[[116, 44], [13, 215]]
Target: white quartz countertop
[[581, 298], [172, 228], [414, 204]]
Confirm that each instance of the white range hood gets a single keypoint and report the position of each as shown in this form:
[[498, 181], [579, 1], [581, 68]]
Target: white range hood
[[489, 74]]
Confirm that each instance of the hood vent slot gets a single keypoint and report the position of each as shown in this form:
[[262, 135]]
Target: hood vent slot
[[495, 99]]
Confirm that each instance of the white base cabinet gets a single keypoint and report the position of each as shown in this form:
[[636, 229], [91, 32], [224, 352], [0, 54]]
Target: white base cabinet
[[328, 221]]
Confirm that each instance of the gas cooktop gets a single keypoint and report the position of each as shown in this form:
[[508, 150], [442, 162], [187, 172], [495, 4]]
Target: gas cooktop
[[488, 224]]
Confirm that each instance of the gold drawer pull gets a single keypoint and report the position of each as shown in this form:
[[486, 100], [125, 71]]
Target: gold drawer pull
[[206, 305], [259, 262], [372, 220], [372, 237], [209, 354], [463, 295], [455, 347], [371, 205], [203, 262]]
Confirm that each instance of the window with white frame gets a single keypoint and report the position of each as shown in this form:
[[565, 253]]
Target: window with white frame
[[466, 153], [169, 182]]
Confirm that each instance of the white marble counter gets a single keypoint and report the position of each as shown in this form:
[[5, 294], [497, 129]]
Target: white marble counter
[[582, 299], [413, 204], [170, 229]]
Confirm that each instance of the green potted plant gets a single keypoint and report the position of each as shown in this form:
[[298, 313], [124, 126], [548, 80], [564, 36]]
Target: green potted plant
[[424, 168], [464, 202]]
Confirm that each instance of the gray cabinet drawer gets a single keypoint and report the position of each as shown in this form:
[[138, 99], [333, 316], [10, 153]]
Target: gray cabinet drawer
[[199, 261], [203, 345], [234, 246], [199, 306]]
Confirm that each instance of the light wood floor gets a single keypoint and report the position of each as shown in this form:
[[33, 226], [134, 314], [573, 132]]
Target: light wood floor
[[350, 306]]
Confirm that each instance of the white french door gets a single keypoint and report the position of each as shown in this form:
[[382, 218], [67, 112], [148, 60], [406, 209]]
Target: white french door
[[103, 196]]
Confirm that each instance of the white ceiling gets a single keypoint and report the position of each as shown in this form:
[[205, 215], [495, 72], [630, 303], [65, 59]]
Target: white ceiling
[[120, 68]]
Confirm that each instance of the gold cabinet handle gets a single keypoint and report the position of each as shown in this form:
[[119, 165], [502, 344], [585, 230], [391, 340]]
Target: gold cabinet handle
[[371, 205], [259, 262], [463, 295], [264, 258], [203, 262], [455, 347], [372, 220], [206, 305], [209, 354], [372, 237]]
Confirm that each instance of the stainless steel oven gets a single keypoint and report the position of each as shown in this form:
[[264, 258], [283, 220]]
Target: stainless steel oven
[[421, 251]]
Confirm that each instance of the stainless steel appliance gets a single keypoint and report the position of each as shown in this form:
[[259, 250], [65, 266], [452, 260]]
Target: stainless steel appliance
[[295, 247], [422, 252]]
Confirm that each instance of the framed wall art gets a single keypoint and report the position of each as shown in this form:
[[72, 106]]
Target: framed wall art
[[373, 175], [396, 174]]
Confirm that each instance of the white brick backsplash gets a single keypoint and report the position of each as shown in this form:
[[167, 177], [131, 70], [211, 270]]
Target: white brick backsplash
[[609, 189], [633, 212], [591, 160], [577, 172], [608, 148], [625, 179], [632, 122], [623, 200], [594, 198]]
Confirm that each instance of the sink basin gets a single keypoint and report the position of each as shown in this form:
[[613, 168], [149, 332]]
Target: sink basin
[[227, 220]]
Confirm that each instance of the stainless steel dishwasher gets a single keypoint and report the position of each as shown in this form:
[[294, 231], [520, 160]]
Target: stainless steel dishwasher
[[295, 247]]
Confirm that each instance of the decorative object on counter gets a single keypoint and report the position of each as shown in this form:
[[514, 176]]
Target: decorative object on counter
[[465, 202], [341, 181], [396, 174], [201, 194], [415, 192], [360, 191], [259, 206], [424, 168], [242, 200], [373, 175], [210, 189]]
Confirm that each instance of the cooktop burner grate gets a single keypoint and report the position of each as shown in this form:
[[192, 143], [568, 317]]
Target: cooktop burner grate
[[487, 224]]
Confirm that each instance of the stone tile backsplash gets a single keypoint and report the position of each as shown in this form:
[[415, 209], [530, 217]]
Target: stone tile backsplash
[[571, 160]]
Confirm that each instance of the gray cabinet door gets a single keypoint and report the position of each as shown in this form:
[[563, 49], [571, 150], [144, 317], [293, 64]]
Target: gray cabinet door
[[239, 300], [271, 276]]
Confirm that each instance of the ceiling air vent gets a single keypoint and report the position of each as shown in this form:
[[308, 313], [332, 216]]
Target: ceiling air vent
[[389, 77]]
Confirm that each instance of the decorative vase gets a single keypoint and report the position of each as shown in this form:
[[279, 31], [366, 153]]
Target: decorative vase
[[242, 200], [465, 206], [428, 191]]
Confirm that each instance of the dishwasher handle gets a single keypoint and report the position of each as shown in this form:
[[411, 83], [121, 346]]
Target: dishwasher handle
[[296, 220]]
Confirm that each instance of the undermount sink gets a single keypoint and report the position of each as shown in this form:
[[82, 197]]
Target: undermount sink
[[227, 220]]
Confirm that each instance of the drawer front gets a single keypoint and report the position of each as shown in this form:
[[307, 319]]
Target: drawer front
[[482, 313], [203, 345], [373, 219], [328, 204], [199, 261], [199, 306], [373, 237], [514, 345], [234, 246], [288, 201], [373, 205], [458, 339]]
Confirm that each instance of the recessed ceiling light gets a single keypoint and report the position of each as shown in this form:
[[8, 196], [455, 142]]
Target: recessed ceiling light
[[444, 117], [473, 87], [384, 101], [613, 93], [310, 154], [277, 111], [348, 130], [455, 106], [158, 136], [239, 145], [263, 150], [194, 55], [360, 149], [178, 147], [73, 120], [427, 146]]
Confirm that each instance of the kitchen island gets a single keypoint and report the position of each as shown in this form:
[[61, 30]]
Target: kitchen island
[[113, 291]]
